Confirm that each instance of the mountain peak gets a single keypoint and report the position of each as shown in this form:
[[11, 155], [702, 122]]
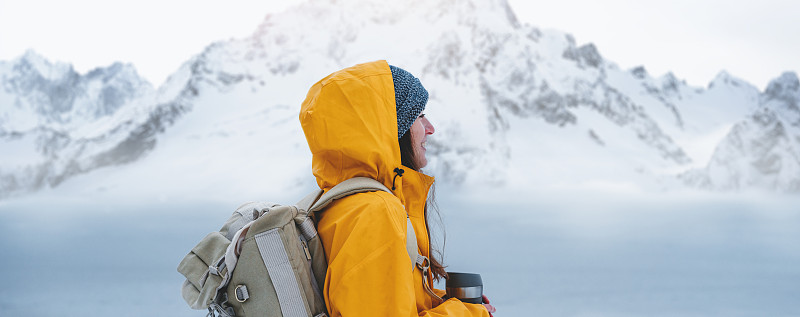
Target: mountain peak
[[117, 71], [639, 72], [671, 83], [786, 85], [31, 61], [724, 78], [63, 97], [585, 55], [723, 75]]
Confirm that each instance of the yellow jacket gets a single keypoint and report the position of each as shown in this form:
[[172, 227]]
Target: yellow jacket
[[350, 123]]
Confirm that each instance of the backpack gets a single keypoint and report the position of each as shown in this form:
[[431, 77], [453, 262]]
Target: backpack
[[267, 260]]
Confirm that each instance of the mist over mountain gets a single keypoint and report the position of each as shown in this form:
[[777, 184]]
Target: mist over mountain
[[513, 105]]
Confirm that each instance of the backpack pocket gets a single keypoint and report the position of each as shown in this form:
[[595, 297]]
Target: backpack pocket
[[200, 287], [275, 269]]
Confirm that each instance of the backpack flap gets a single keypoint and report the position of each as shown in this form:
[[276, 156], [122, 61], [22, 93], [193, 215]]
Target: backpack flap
[[200, 287]]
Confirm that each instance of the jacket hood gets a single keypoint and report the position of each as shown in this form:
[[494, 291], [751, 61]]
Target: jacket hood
[[350, 122]]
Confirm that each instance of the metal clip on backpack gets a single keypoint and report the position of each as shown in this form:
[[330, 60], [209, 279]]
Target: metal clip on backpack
[[267, 260]]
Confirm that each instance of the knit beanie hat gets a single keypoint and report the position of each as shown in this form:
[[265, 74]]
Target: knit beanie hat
[[410, 99]]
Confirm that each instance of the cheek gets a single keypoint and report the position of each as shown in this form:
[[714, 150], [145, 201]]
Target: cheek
[[417, 132]]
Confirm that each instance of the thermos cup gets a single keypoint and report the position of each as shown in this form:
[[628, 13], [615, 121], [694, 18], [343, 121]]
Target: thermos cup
[[467, 287]]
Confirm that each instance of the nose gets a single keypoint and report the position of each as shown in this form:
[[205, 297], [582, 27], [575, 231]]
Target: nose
[[428, 126]]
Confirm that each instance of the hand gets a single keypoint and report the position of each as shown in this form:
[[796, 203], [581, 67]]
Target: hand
[[490, 308]]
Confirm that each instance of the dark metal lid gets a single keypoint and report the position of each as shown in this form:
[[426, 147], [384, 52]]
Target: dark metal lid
[[456, 279]]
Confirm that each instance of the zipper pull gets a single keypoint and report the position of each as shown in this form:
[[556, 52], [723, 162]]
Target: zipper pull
[[305, 248]]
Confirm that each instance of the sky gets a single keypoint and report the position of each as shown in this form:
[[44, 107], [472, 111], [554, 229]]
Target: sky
[[752, 40], [694, 39]]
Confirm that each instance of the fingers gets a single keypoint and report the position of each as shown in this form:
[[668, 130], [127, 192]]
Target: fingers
[[489, 307]]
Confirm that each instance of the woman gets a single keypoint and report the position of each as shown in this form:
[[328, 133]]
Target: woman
[[367, 121]]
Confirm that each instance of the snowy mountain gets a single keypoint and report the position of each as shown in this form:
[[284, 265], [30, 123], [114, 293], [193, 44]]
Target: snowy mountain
[[762, 150], [513, 105], [56, 123]]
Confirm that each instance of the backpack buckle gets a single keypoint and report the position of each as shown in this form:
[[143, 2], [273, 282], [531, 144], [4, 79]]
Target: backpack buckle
[[423, 263], [241, 293]]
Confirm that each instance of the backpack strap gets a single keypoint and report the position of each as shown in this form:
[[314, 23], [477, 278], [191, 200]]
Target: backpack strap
[[316, 201], [411, 244], [308, 201], [351, 186], [364, 184], [424, 264]]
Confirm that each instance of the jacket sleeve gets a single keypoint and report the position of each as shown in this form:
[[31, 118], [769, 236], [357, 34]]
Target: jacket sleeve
[[454, 307], [370, 273]]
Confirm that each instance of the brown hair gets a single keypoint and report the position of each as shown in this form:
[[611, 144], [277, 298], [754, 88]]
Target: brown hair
[[407, 159]]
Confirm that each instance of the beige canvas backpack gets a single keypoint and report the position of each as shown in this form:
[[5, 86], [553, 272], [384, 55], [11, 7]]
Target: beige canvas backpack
[[267, 260]]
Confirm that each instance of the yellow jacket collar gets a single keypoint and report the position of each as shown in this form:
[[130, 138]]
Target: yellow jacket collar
[[413, 191]]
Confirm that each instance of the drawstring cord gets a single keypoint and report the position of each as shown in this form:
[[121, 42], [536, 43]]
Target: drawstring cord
[[397, 172]]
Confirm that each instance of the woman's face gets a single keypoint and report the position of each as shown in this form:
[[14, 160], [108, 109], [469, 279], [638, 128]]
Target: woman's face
[[419, 135]]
